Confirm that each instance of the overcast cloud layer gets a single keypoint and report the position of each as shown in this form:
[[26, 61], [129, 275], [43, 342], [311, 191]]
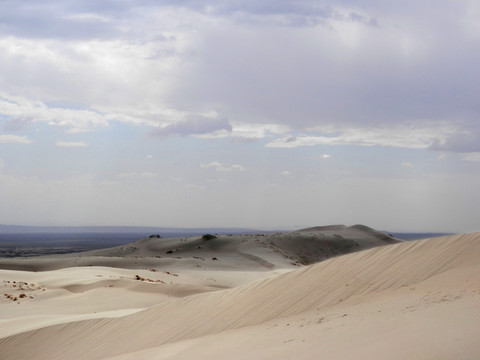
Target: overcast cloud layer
[[259, 114]]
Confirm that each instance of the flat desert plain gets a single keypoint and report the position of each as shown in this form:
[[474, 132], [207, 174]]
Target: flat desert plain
[[331, 292]]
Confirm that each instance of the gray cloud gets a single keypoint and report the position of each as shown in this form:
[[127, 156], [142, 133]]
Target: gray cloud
[[404, 70], [298, 64], [71, 143], [468, 141], [193, 125], [421, 137], [14, 139], [49, 19], [291, 13], [16, 124], [471, 156], [69, 20]]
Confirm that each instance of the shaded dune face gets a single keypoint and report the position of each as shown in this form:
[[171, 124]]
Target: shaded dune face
[[320, 243], [346, 280]]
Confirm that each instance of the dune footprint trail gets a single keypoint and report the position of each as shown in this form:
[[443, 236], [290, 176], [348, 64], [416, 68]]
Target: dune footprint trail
[[418, 269]]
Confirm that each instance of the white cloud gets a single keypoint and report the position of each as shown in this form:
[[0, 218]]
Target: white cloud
[[112, 80], [398, 136], [22, 111], [193, 125], [36, 111], [286, 173], [88, 17], [248, 131], [474, 156], [326, 156], [194, 187], [180, 60], [144, 175], [149, 156], [407, 164], [14, 139], [71, 143], [222, 168]]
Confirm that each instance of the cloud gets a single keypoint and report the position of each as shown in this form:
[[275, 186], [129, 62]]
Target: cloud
[[14, 139], [474, 156], [88, 17], [355, 64], [286, 173], [295, 14], [222, 168], [193, 125], [53, 19], [22, 111], [77, 83], [48, 19], [399, 136], [407, 164], [466, 140], [248, 131], [71, 144], [144, 175], [350, 74], [16, 124]]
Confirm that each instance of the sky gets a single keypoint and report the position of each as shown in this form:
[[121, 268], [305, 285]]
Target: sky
[[260, 114]]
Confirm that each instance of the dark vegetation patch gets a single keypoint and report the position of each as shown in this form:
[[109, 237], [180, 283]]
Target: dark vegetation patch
[[140, 278], [169, 273]]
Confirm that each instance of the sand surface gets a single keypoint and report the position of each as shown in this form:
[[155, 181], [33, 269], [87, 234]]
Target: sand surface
[[248, 297]]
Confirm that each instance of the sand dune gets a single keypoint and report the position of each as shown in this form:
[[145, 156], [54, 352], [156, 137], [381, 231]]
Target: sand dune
[[252, 251], [128, 278], [406, 300]]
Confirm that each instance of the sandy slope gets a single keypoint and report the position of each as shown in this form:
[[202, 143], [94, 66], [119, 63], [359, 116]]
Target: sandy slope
[[407, 300], [59, 289]]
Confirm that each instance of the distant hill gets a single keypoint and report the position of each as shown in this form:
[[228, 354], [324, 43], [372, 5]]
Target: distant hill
[[243, 251]]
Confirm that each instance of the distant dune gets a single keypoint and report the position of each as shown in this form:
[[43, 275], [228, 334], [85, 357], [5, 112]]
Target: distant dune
[[242, 251], [248, 297]]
